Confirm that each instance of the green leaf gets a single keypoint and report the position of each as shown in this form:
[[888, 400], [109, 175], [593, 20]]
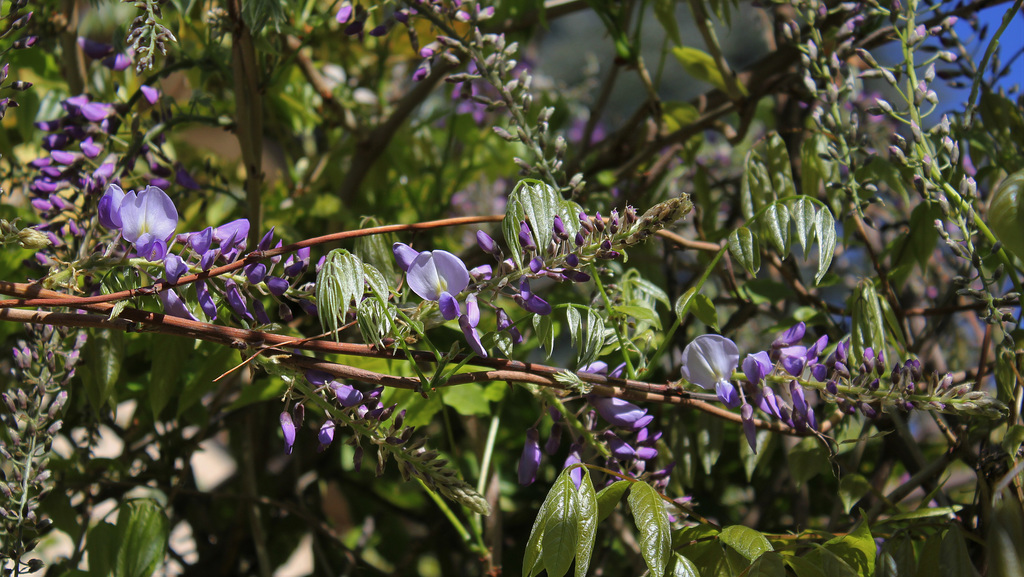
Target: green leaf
[[339, 283], [701, 66], [609, 497], [1004, 539], [102, 544], [467, 399], [652, 525], [896, 558], [215, 361], [768, 565], [804, 220], [682, 567], [956, 561], [590, 342], [825, 229], [514, 215], [532, 563], [857, 549], [573, 319], [587, 529], [1012, 439], [868, 322], [851, 488], [704, 310], [103, 355], [561, 526], [143, 531], [540, 203], [806, 460], [804, 568], [684, 302], [780, 169], [546, 336], [710, 438], [665, 12], [743, 247], [375, 250], [755, 185], [169, 354], [812, 169], [746, 541], [776, 219], [639, 313]]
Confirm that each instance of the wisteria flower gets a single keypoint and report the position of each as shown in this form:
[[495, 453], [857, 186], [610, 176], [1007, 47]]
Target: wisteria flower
[[433, 274], [529, 462], [148, 221], [709, 362]]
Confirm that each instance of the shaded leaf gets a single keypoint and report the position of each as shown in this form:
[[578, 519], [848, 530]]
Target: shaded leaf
[[103, 354], [704, 310], [169, 355], [609, 497], [769, 564], [851, 488], [743, 247], [545, 334], [825, 229]]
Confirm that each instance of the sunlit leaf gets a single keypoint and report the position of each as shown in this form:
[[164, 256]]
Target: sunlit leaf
[[652, 525]]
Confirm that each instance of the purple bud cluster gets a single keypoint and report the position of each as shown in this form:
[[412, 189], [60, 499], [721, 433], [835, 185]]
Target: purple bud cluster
[[626, 439], [17, 23], [356, 409]]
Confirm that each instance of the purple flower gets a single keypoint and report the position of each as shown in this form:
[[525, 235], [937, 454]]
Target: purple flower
[[174, 306], [487, 243], [277, 285], [756, 367], [236, 300], [620, 412], [506, 324], [148, 221], [790, 336], [288, 428], [747, 415], [150, 94], [325, 436], [468, 323], [710, 360], [619, 448], [574, 458], [344, 13], [531, 302], [174, 267], [109, 208], [434, 273], [232, 234], [529, 462], [793, 359], [404, 255], [93, 49], [728, 394], [206, 300], [347, 395]]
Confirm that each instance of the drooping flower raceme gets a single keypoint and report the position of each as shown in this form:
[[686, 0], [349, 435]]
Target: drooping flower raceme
[[709, 362]]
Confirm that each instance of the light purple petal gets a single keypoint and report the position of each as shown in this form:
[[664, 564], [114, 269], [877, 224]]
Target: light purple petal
[[529, 461], [404, 255], [452, 270], [710, 359], [449, 306], [150, 94], [174, 306], [422, 277], [174, 266], [109, 208], [151, 211], [472, 336], [472, 310], [757, 366], [288, 428]]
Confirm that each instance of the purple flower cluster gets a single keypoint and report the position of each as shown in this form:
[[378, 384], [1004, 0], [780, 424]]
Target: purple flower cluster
[[356, 406], [628, 441]]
